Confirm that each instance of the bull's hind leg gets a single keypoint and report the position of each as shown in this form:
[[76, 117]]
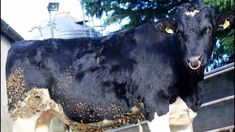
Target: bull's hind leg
[[33, 124], [31, 114], [28, 107], [43, 122], [24, 124]]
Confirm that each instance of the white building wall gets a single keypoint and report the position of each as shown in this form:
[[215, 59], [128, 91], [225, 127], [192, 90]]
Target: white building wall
[[5, 120]]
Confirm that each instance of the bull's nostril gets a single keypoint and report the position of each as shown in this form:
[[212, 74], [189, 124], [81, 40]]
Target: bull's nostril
[[194, 58], [188, 60], [199, 57]]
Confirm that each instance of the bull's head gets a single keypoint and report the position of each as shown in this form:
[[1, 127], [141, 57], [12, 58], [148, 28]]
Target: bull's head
[[194, 28]]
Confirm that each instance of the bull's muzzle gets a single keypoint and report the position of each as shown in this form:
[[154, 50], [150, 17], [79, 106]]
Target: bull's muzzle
[[194, 62]]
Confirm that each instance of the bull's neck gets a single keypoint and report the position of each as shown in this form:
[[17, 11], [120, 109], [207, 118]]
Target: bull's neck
[[196, 74]]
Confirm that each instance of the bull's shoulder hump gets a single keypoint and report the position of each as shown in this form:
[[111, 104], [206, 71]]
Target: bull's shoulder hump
[[146, 27]]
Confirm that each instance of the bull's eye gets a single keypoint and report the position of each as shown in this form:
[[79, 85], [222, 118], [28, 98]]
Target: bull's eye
[[206, 31]]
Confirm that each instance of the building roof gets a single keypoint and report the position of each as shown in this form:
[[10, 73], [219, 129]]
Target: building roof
[[64, 26], [9, 32]]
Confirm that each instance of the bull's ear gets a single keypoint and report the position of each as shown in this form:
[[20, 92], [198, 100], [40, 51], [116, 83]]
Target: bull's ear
[[224, 21], [166, 25]]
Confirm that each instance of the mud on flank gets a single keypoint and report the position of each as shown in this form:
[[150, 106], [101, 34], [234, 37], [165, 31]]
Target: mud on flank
[[15, 88], [36, 106]]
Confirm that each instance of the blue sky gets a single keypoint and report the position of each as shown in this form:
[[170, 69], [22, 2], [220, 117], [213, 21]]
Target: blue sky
[[23, 15]]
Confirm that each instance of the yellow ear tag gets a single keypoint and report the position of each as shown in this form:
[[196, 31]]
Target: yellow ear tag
[[226, 24], [169, 30]]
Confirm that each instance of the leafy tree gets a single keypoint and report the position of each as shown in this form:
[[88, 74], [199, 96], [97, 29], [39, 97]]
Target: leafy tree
[[224, 48], [142, 11], [137, 11]]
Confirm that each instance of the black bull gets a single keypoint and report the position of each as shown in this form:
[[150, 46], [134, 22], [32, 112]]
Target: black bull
[[125, 76]]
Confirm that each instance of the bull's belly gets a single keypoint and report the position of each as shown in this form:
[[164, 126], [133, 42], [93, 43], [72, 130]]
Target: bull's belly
[[25, 103], [87, 111], [37, 101]]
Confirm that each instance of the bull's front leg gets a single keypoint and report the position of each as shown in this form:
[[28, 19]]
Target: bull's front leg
[[181, 117], [194, 100], [159, 123], [157, 109]]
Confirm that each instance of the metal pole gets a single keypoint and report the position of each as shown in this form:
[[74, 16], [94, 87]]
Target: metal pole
[[219, 71], [223, 129], [83, 15], [51, 26], [217, 101]]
